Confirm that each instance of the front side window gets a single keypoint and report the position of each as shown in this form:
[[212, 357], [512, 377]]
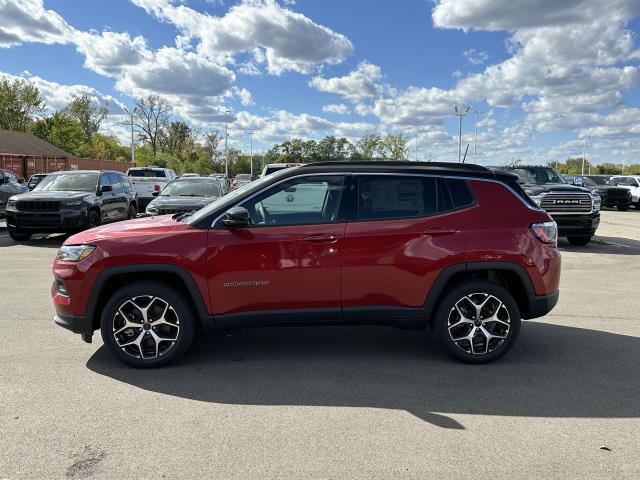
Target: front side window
[[298, 201], [382, 197]]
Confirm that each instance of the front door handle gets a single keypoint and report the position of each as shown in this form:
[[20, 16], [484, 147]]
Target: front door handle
[[433, 231], [320, 238]]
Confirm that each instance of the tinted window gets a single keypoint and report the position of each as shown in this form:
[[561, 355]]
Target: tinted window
[[460, 193], [193, 187], [299, 201], [104, 180], [389, 196], [72, 182], [125, 181], [147, 173], [115, 181]]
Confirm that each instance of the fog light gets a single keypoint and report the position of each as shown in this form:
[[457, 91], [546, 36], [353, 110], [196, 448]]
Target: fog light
[[61, 289]]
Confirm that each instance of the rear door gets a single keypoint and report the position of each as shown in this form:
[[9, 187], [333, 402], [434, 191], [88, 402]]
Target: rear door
[[400, 239], [288, 259], [120, 197]]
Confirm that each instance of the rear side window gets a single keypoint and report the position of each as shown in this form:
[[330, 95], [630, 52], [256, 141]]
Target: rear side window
[[394, 196], [461, 195]]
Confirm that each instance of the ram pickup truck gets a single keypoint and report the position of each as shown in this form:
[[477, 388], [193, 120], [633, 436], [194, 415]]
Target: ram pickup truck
[[149, 182]]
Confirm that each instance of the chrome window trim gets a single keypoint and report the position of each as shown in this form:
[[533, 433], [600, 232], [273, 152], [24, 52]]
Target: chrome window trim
[[426, 174]]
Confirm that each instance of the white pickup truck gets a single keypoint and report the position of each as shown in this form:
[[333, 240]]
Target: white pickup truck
[[149, 182]]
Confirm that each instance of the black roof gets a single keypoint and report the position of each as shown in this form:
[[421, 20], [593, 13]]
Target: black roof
[[441, 168], [19, 143]]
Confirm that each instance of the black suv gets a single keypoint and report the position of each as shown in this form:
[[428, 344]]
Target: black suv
[[71, 201], [575, 209], [9, 186]]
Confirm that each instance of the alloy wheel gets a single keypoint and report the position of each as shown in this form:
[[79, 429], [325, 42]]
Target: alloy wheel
[[146, 327], [479, 323]]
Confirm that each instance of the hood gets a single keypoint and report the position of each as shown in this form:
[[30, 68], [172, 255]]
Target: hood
[[130, 228], [553, 188], [53, 196], [181, 202]]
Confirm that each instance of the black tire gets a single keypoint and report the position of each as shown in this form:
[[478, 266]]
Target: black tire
[[93, 219], [157, 294], [18, 235], [477, 291], [132, 212], [579, 241], [637, 206], [623, 208]]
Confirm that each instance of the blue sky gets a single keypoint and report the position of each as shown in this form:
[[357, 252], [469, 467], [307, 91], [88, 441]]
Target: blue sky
[[546, 75]]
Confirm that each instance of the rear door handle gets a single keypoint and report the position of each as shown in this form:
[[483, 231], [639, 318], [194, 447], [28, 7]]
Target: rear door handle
[[320, 238], [433, 231]]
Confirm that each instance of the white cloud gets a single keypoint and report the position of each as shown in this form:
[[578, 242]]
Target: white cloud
[[290, 40], [107, 53], [28, 21], [359, 84], [475, 57], [338, 108]]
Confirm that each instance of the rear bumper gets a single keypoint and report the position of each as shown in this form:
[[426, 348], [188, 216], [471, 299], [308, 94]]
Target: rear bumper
[[77, 324], [540, 305]]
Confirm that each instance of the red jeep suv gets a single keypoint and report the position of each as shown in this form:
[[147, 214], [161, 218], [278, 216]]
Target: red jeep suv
[[455, 247]]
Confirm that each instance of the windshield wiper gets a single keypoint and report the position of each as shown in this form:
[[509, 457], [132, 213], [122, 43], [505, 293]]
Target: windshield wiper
[[188, 195], [178, 217]]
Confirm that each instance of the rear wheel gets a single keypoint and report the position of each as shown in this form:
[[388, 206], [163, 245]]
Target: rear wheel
[[147, 325], [477, 322], [579, 241], [19, 235], [133, 212]]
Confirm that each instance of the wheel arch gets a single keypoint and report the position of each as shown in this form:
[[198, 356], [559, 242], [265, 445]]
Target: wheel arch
[[109, 281], [506, 274]]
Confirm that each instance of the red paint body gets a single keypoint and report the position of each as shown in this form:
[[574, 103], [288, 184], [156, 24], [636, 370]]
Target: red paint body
[[351, 264]]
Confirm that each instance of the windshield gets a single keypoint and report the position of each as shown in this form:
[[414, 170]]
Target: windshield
[[72, 182], [628, 181], [243, 176], [146, 173], [535, 175], [592, 181], [228, 199], [193, 187]]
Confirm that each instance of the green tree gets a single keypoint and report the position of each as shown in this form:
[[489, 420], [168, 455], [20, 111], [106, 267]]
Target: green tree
[[331, 148], [60, 130], [20, 104], [176, 138], [369, 147], [88, 114], [394, 147], [105, 147], [151, 116]]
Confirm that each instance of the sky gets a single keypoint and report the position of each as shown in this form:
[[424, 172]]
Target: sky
[[547, 78]]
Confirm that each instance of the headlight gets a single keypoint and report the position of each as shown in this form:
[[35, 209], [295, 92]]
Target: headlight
[[75, 253], [537, 198], [12, 202], [151, 211], [596, 201], [71, 203]]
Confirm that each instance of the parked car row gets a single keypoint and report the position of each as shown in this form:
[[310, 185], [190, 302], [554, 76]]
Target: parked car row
[[615, 191]]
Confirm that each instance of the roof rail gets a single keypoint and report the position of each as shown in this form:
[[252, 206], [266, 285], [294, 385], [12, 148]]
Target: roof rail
[[391, 163]]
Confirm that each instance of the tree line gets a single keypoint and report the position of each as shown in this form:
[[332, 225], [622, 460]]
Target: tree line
[[574, 166]]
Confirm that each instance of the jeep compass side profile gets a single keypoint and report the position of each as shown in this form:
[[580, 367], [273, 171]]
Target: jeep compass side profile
[[457, 248]]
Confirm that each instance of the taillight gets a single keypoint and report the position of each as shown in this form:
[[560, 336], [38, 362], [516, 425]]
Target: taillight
[[156, 188], [546, 232]]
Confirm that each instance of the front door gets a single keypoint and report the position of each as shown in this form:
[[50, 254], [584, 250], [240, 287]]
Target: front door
[[288, 258]]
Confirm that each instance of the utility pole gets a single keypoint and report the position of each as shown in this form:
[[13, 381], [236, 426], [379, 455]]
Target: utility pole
[[226, 148], [475, 143], [251, 151], [584, 150], [416, 147], [460, 115], [133, 145]]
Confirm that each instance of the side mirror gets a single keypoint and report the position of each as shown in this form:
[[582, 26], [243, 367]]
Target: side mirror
[[578, 181], [155, 193], [105, 188], [237, 217]]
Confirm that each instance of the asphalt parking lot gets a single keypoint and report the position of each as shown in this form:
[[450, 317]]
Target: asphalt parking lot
[[331, 402]]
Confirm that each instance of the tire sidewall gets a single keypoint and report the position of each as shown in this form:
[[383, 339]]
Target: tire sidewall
[[477, 286], [92, 214], [18, 235], [175, 299]]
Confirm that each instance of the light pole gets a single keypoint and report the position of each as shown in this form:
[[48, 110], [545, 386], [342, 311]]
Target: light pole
[[251, 151], [133, 145], [226, 151], [584, 150], [460, 115], [475, 143], [416, 147]]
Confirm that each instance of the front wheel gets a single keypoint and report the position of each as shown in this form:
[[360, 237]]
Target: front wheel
[[147, 325], [93, 219], [579, 241], [477, 322], [18, 235], [623, 208], [133, 212]]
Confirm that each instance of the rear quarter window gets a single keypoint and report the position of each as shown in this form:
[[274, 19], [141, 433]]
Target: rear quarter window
[[382, 197], [461, 196]]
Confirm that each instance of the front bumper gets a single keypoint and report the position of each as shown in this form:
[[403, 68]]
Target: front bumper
[[61, 221], [540, 305], [577, 224], [77, 324]]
